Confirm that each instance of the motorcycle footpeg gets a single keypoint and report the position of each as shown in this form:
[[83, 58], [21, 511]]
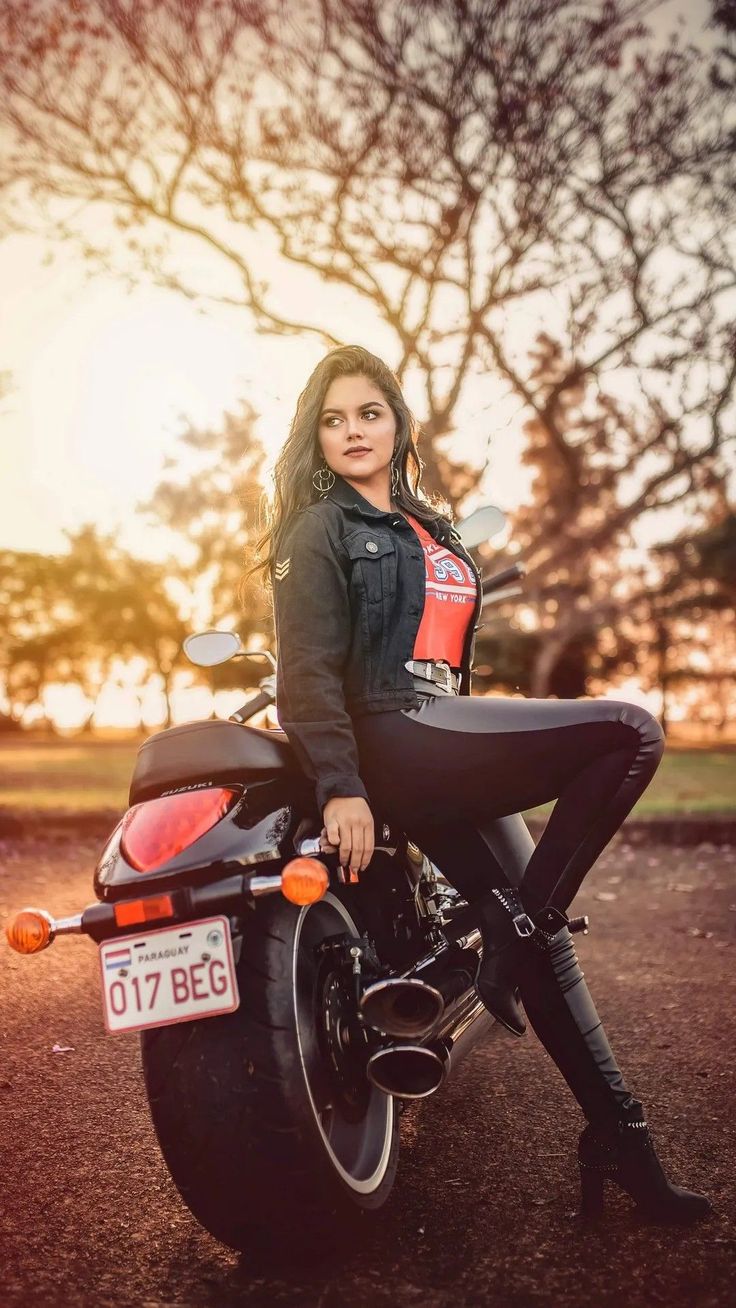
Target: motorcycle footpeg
[[581, 924]]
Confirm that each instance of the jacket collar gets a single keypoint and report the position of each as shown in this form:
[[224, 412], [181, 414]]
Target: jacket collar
[[349, 498]]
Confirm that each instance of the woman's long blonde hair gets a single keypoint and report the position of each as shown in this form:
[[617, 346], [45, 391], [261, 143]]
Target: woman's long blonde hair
[[301, 454]]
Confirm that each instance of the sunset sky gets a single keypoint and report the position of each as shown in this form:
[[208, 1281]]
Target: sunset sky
[[104, 379]]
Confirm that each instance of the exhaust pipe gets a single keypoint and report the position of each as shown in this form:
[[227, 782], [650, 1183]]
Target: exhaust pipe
[[402, 1006], [411, 1005], [411, 1071]]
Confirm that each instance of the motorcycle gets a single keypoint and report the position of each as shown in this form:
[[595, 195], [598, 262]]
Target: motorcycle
[[287, 1014]]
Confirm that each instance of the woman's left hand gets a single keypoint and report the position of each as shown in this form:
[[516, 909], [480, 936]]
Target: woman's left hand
[[354, 828]]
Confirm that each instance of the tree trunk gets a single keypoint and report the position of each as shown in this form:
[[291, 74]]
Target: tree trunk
[[166, 678], [141, 724], [662, 647], [544, 665], [722, 697]]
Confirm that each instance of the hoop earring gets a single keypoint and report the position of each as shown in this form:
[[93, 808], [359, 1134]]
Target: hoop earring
[[323, 479]]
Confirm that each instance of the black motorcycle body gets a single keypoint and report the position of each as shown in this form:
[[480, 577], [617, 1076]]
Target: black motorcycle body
[[268, 1115]]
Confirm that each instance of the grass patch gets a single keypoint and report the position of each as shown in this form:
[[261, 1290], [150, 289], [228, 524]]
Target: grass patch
[[83, 776], [66, 775], [687, 781]]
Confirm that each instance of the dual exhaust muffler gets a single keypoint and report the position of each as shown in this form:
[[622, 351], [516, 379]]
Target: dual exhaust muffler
[[434, 1015], [430, 1012]]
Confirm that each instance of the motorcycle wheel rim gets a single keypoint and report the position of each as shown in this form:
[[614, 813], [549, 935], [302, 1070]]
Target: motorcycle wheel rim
[[359, 1151]]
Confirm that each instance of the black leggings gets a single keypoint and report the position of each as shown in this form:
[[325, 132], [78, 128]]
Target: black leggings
[[455, 773]]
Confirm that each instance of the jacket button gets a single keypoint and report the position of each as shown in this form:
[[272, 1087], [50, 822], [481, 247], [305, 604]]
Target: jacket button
[[371, 545]]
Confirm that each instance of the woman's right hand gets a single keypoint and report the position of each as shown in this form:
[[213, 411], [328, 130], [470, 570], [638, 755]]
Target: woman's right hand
[[349, 824]]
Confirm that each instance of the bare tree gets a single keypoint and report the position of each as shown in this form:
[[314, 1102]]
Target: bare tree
[[457, 167], [591, 487], [723, 22]]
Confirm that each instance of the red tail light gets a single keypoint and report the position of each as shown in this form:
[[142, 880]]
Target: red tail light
[[159, 829]]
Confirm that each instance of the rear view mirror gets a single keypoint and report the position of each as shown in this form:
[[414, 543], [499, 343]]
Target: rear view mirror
[[207, 648], [480, 525]]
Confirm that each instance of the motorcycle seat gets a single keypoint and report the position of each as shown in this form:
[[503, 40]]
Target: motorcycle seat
[[213, 750]]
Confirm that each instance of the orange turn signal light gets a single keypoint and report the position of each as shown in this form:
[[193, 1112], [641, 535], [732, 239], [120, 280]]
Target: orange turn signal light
[[304, 880], [30, 931]]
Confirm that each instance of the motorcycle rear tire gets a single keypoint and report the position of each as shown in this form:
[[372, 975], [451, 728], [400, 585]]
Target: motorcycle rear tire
[[235, 1100]]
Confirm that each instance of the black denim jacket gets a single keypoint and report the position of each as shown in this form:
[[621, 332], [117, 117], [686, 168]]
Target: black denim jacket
[[348, 598]]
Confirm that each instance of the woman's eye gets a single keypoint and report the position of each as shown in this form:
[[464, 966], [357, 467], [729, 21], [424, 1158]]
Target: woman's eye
[[373, 413]]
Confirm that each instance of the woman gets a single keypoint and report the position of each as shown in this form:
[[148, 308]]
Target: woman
[[376, 605]]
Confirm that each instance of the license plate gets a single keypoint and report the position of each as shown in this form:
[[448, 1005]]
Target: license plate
[[170, 975]]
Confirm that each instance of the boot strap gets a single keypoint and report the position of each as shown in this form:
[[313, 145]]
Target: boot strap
[[507, 897], [523, 925]]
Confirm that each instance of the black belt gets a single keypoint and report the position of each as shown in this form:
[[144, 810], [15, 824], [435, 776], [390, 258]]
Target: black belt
[[434, 676]]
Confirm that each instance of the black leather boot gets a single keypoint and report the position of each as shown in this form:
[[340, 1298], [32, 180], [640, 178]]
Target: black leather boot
[[505, 927], [616, 1145], [625, 1154]]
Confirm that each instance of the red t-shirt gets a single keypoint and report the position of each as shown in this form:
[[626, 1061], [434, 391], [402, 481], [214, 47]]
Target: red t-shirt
[[450, 595]]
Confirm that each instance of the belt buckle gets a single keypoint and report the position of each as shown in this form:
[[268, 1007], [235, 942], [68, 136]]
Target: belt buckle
[[447, 670], [427, 670]]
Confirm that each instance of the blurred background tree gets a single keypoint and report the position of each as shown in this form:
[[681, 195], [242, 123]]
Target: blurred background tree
[[39, 628], [215, 506], [126, 611], [693, 615], [70, 618]]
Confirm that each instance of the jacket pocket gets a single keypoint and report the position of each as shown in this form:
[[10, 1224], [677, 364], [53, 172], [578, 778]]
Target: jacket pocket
[[373, 562]]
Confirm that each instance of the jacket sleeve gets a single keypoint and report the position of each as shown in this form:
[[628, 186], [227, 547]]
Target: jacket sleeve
[[313, 630]]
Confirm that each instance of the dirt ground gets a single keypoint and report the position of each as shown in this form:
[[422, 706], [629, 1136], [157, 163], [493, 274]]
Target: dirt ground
[[483, 1209]]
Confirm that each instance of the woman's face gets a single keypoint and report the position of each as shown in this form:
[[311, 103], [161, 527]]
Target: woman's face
[[356, 415]]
